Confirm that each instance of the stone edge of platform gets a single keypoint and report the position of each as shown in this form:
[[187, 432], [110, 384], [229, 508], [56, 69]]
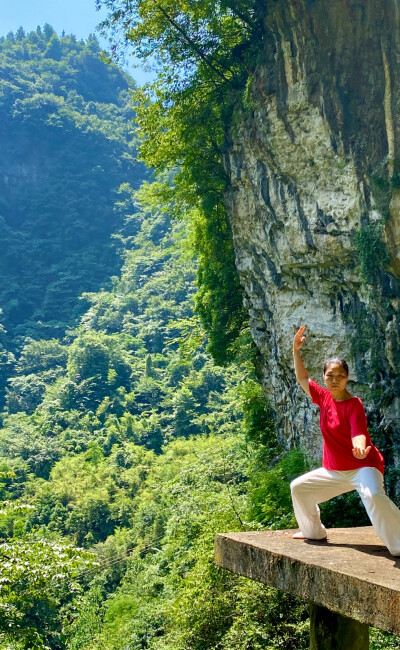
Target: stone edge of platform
[[350, 596]]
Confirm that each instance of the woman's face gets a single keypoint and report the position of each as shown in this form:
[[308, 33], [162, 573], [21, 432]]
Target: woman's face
[[336, 379]]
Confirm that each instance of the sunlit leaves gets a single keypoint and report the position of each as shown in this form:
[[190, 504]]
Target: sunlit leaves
[[37, 577], [204, 53], [186, 35]]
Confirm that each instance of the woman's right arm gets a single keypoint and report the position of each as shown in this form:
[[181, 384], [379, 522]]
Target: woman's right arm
[[299, 367]]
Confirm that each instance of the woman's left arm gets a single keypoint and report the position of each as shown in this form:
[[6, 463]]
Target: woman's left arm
[[358, 424]]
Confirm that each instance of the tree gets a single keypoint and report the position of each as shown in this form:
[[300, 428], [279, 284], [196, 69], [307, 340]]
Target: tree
[[7, 360], [205, 53], [48, 32], [37, 356], [37, 577], [20, 34], [187, 38], [53, 50]]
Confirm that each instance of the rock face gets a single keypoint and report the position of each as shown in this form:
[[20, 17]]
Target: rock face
[[314, 163]]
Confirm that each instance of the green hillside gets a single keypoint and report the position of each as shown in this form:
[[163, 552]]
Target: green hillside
[[125, 439], [67, 145], [119, 433]]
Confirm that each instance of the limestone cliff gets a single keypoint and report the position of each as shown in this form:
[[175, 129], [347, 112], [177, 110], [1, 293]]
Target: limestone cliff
[[313, 162]]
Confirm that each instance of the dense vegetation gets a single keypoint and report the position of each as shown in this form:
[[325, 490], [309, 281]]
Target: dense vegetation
[[125, 439], [124, 448], [120, 435], [204, 53], [66, 146]]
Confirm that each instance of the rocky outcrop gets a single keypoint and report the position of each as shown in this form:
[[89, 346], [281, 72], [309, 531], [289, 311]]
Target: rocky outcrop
[[314, 168]]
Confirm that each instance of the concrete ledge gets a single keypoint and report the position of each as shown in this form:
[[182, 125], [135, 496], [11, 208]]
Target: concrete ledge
[[352, 573]]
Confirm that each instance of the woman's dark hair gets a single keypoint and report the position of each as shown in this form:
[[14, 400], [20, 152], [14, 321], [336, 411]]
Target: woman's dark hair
[[342, 362]]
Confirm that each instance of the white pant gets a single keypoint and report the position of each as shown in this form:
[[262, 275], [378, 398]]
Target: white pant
[[323, 484]]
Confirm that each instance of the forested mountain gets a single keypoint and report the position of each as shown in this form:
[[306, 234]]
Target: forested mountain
[[124, 447], [120, 435], [66, 147], [125, 439]]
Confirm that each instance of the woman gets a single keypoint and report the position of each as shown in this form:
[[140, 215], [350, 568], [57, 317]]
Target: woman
[[350, 460]]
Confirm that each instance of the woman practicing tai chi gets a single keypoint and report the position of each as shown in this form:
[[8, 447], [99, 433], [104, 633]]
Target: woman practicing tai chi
[[350, 460]]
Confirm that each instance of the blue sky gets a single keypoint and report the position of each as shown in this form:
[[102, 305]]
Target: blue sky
[[77, 17]]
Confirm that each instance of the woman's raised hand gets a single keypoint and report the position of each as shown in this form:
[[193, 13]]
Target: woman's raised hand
[[299, 367], [299, 339]]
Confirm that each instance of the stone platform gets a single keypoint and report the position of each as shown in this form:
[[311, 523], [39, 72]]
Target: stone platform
[[352, 573]]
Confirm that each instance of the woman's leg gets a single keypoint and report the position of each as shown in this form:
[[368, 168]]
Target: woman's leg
[[384, 515], [311, 489]]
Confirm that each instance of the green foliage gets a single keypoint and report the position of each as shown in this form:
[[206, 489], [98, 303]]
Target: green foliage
[[21, 438], [344, 511], [66, 148], [219, 301], [258, 421], [87, 626], [171, 594], [40, 364], [87, 496], [26, 392], [270, 498], [39, 581], [6, 360], [205, 53], [38, 356], [208, 38], [380, 640], [372, 252], [140, 450], [88, 370]]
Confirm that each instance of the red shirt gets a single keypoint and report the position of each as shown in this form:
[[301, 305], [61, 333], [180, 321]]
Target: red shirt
[[340, 421]]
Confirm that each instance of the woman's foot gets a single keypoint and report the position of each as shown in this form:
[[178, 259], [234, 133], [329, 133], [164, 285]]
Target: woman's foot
[[300, 535]]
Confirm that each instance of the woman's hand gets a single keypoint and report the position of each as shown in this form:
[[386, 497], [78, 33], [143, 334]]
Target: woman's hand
[[299, 367], [299, 339], [359, 449], [361, 453]]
